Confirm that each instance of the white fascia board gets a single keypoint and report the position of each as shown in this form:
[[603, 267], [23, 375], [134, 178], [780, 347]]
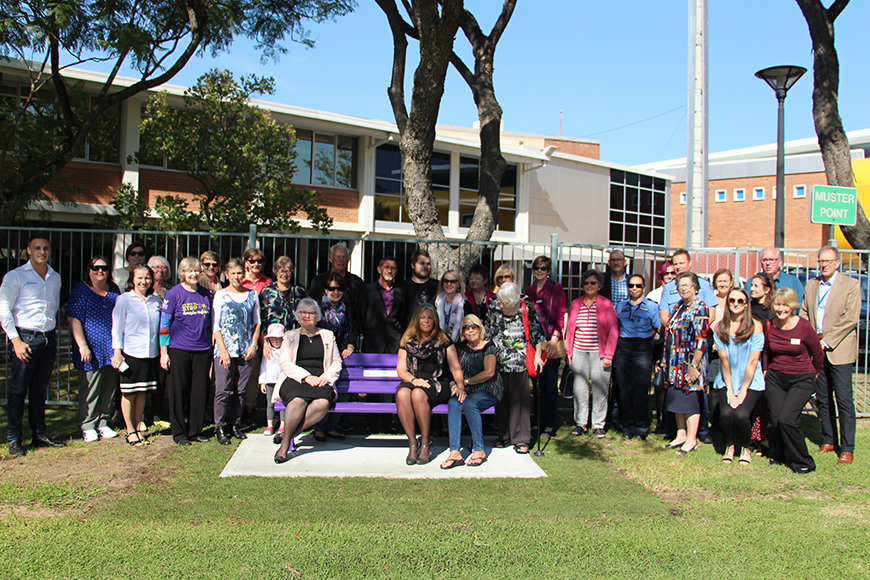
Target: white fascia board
[[608, 165]]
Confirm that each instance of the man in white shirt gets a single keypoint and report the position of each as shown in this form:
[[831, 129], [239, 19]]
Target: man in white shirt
[[29, 300]]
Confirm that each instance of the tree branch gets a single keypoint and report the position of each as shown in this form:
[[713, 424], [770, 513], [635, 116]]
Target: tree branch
[[835, 9], [396, 91]]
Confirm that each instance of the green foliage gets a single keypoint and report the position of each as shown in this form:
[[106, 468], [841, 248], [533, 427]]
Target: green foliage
[[241, 157], [131, 211], [49, 124]]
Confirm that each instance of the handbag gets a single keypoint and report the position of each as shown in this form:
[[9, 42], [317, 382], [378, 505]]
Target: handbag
[[530, 349], [659, 379], [567, 384]]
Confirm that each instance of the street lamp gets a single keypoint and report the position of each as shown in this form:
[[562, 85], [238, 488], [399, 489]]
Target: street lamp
[[780, 79]]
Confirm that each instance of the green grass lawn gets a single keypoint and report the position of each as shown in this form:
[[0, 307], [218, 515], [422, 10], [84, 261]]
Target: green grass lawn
[[609, 509]]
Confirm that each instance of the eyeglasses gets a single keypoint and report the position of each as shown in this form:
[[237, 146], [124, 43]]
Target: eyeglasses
[[197, 272], [736, 301], [635, 285], [590, 283], [468, 327], [769, 260], [97, 268], [670, 273], [333, 289], [450, 281], [209, 264], [136, 253], [541, 268], [307, 313], [685, 286], [826, 262], [255, 261], [500, 278]]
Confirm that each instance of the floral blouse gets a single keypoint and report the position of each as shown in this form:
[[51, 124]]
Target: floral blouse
[[507, 333], [685, 333], [275, 308]]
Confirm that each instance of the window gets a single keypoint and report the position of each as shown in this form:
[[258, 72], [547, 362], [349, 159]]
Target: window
[[739, 195], [800, 191], [390, 191], [721, 194], [469, 179], [757, 194], [637, 209], [323, 159], [773, 192], [683, 198]]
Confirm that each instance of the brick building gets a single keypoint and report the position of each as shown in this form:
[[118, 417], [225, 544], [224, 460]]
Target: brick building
[[552, 184], [742, 193]]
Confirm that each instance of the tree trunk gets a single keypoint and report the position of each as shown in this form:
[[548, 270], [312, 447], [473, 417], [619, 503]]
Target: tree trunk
[[833, 142]]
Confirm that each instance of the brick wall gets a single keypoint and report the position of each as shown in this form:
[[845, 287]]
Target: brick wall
[[589, 150], [97, 183], [750, 223]]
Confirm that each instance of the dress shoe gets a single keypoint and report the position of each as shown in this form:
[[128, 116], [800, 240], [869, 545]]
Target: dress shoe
[[705, 439], [846, 459], [184, 442], [237, 433], [16, 448], [222, 436], [337, 436], [825, 448], [200, 439], [45, 441]]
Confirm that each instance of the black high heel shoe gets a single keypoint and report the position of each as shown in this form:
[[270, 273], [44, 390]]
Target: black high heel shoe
[[280, 460]]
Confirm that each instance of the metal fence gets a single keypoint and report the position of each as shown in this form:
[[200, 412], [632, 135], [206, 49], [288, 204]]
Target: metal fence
[[72, 249]]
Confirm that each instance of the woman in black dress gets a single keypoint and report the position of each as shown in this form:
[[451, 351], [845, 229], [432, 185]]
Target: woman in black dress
[[311, 361], [429, 368]]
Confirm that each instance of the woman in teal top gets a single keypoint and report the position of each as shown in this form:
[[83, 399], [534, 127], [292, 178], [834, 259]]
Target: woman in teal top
[[739, 339]]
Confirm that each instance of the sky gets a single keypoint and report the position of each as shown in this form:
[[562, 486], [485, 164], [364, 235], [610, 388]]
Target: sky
[[616, 70]]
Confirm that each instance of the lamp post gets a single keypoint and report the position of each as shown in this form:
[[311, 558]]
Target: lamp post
[[780, 79]]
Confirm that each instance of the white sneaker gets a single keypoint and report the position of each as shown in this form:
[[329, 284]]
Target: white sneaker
[[90, 435], [107, 433]]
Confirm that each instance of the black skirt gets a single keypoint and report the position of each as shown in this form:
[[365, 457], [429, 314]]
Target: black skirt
[[293, 389], [140, 377], [435, 398]]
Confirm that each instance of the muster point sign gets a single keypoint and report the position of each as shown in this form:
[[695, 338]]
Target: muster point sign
[[834, 205]]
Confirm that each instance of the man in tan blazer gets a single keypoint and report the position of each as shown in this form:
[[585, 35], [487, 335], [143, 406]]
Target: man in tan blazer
[[832, 304]]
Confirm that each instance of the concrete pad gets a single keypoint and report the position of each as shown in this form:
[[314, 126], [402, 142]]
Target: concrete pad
[[373, 456]]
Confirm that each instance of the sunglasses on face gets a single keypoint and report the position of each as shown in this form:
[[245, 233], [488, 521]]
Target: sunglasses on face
[[450, 281], [333, 289], [736, 301], [136, 253], [255, 261], [635, 285], [468, 327], [97, 268], [590, 283], [209, 265], [541, 268]]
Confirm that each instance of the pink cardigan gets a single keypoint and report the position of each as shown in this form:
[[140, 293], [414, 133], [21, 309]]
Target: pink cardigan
[[287, 360], [608, 329]]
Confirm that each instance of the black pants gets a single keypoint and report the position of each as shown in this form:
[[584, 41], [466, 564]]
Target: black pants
[[188, 386], [835, 382], [632, 369], [548, 385], [736, 421], [787, 395]]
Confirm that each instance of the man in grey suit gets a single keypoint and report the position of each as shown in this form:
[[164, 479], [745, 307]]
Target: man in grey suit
[[832, 304]]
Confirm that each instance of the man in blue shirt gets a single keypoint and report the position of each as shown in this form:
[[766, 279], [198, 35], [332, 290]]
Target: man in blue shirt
[[771, 263], [682, 262], [638, 319]]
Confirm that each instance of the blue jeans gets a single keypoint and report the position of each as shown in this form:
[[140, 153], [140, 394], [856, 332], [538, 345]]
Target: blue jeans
[[30, 380], [472, 406]]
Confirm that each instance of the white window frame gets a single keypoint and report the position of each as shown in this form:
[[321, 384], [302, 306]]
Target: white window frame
[[755, 196], [795, 192], [683, 198], [721, 195], [742, 194]]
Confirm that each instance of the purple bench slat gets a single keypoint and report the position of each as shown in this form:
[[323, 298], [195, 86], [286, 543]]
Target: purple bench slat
[[366, 359]]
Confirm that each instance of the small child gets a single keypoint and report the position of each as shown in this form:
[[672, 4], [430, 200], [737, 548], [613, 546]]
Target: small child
[[270, 369]]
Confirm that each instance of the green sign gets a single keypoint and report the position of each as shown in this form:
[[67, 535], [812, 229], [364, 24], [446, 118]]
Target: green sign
[[830, 204]]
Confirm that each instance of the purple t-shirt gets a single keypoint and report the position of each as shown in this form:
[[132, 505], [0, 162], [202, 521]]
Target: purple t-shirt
[[185, 319]]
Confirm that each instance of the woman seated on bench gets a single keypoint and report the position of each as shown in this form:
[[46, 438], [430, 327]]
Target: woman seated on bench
[[427, 363], [311, 363], [483, 389]]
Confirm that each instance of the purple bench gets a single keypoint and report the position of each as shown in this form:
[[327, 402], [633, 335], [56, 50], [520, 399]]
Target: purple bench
[[375, 374]]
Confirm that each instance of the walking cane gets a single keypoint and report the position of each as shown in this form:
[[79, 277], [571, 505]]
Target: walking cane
[[536, 383]]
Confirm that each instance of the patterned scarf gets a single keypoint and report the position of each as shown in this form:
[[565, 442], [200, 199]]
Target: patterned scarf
[[417, 351], [334, 317]]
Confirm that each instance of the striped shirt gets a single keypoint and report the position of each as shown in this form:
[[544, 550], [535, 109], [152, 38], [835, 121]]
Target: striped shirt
[[586, 331]]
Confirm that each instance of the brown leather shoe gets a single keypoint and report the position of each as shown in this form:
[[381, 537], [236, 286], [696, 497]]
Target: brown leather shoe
[[825, 448], [846, 459]]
